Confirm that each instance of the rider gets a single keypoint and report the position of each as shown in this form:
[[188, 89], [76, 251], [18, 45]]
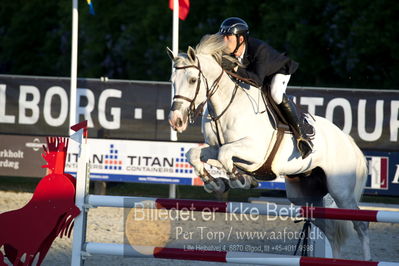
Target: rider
[[265, 66]]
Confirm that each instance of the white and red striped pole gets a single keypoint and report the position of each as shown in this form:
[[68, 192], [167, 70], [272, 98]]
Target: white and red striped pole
[[349, 214], [245, 208], [220, 256]]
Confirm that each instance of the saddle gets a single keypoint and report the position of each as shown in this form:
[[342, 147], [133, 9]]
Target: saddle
[[265, 173]]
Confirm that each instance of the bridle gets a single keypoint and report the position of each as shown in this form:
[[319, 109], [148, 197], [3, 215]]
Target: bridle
[[194, 112]]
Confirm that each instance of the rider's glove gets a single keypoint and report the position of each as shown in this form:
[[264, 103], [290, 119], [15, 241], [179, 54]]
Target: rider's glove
[[228, 62]]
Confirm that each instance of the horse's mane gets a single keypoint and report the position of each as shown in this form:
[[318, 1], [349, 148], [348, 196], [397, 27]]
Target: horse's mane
[[212, 44]]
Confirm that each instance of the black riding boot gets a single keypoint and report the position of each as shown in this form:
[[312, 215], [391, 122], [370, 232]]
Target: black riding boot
[[296, 124]]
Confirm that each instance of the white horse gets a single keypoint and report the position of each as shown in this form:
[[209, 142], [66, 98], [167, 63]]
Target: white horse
[[239, 135]]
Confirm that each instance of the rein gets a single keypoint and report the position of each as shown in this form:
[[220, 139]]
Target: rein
[[246, 80], [193, 111]]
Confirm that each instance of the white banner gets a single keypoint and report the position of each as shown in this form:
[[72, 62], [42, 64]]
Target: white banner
[[143, 161]]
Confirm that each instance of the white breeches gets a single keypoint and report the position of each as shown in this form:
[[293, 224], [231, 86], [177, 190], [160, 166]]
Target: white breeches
[[278, 86]]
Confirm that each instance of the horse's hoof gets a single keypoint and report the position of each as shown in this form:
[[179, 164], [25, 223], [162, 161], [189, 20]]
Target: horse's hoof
[[244, 182], [223, 183], [208, 188], [219, 185], [254, 183]]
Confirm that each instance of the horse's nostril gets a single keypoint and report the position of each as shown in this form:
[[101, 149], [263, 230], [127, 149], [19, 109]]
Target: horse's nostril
[[179, 122]]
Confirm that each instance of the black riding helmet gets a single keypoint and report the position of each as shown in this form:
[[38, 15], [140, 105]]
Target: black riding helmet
[[235, 26]]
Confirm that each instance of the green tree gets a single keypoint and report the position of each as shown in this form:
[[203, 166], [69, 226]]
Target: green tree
[[32, 38], [344, 43]]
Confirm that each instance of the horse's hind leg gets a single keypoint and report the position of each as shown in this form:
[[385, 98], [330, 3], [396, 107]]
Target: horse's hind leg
[[345, 198], [360, 227], [362, 231], [311, 190]]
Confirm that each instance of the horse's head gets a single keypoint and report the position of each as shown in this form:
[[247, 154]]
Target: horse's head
[[195, 76], [189, 89]]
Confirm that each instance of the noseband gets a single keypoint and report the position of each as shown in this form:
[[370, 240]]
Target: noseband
[[194, 112]]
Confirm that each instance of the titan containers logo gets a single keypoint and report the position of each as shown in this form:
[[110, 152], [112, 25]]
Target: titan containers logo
[[112, 160], [155, 165], [181, 164]]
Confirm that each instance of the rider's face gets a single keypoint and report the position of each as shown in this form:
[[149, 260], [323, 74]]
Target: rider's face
[[231, 42]]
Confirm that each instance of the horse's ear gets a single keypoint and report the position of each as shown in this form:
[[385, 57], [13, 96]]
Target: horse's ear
[[191, 54], [170, 54]]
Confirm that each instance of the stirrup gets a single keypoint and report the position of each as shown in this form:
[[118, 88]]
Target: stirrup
[[305, 147]]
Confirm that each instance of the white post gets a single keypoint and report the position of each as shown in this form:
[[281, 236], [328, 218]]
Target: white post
[[175, 49], [82, 189], [74, 66]]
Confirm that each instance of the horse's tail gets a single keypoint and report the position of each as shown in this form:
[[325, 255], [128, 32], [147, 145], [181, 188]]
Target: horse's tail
[[340, 229]]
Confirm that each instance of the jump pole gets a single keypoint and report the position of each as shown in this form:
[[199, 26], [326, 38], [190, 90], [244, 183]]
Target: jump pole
[[244, 208], [220, 256]]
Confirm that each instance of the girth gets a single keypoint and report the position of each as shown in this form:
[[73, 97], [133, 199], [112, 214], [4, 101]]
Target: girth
[[265, 172]]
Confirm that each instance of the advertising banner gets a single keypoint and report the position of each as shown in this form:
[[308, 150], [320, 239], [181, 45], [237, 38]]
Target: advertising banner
[[371, 117], [383, 173], [143, 161], [114, 109], [158, 162], [21, 156], [139, 110]]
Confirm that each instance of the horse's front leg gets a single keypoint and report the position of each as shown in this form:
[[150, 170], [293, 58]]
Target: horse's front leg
[[244, 150], [197, 157]]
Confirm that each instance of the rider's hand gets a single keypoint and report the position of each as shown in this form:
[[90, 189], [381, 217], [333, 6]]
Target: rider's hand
[[229, 63]]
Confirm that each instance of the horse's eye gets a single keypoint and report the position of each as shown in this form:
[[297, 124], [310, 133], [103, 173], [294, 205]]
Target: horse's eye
[[192, 81]]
